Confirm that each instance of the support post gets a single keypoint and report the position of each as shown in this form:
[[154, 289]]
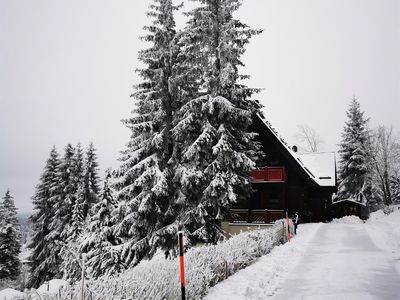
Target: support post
[[182, 264], [83, 276], [288, 226], [283, 232]]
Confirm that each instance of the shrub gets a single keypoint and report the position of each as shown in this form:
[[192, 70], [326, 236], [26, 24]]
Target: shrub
[[205, 266]]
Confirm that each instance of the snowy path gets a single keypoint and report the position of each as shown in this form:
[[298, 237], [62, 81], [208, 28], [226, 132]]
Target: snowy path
[[342, 262], [325, 261]]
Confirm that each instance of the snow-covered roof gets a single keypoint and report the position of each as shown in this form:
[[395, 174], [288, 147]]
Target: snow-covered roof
[[320, 166]]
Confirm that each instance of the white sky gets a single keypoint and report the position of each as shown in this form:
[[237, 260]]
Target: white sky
[[67, 70]]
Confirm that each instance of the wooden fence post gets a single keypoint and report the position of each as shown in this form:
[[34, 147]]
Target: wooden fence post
[[288, 226], [283, 232]]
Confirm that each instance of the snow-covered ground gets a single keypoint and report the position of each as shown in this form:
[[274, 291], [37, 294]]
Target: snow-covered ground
[[385, 232], [50, 288], [345, 259], [9, 294], [262, 279], [159, 278]]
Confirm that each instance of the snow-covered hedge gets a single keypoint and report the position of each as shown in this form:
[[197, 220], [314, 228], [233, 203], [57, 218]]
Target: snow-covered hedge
[[205, 266]]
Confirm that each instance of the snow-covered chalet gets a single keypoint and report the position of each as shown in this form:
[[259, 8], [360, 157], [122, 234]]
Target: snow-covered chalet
[[287, 180]]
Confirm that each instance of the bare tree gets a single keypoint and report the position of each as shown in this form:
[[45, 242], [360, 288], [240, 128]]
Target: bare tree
[[385, 158], [308, 138]]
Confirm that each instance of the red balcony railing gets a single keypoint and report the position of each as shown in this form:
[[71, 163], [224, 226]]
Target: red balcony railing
[[269, 174]]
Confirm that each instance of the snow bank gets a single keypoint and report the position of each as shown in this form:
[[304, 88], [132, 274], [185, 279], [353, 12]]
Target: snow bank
[[11, 294], [52, 287], [347, 220], [262, 279], [205, 266], [384, 230]]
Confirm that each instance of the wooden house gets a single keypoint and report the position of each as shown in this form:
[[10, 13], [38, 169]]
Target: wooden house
[[287, 180]]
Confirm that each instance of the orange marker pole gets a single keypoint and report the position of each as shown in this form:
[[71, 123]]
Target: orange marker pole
[[288, 226], [182, 265]]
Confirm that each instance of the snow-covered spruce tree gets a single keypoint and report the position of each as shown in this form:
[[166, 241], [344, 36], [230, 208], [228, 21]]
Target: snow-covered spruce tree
[[78, 195], [78, 191], [10, 235], [87, 188], [86, 185], [76, 224], [44, 260], [216, 150], [90, 179], [354, 160], [144, 180], [98, 241], [63, 205]]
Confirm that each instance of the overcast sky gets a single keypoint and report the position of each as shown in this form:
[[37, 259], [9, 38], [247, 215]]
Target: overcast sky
[[67, 70]]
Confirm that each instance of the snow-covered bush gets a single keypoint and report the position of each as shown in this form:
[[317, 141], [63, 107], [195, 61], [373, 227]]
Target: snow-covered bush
[[387, 210], [205, 266]]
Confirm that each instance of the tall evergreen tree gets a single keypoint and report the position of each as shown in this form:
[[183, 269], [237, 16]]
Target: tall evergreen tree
[[144, 180], [354, 157], [64, 203], [91, 179], [10, 235], [67, 192], [216, 150], [78, 193], [75, 217], [86, 186], [99, 240], [44, 260]]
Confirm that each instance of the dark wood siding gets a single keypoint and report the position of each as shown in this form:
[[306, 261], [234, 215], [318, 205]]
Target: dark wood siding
[[298, 193]]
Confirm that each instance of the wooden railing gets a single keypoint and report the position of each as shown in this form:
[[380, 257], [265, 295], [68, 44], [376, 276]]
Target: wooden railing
[[269, 174], [256, 215]]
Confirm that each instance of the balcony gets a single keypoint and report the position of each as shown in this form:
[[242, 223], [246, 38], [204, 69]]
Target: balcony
[[269, 174], [258, 216]]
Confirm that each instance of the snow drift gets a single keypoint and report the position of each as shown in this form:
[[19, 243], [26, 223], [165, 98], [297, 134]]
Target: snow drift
[[11, 294]]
